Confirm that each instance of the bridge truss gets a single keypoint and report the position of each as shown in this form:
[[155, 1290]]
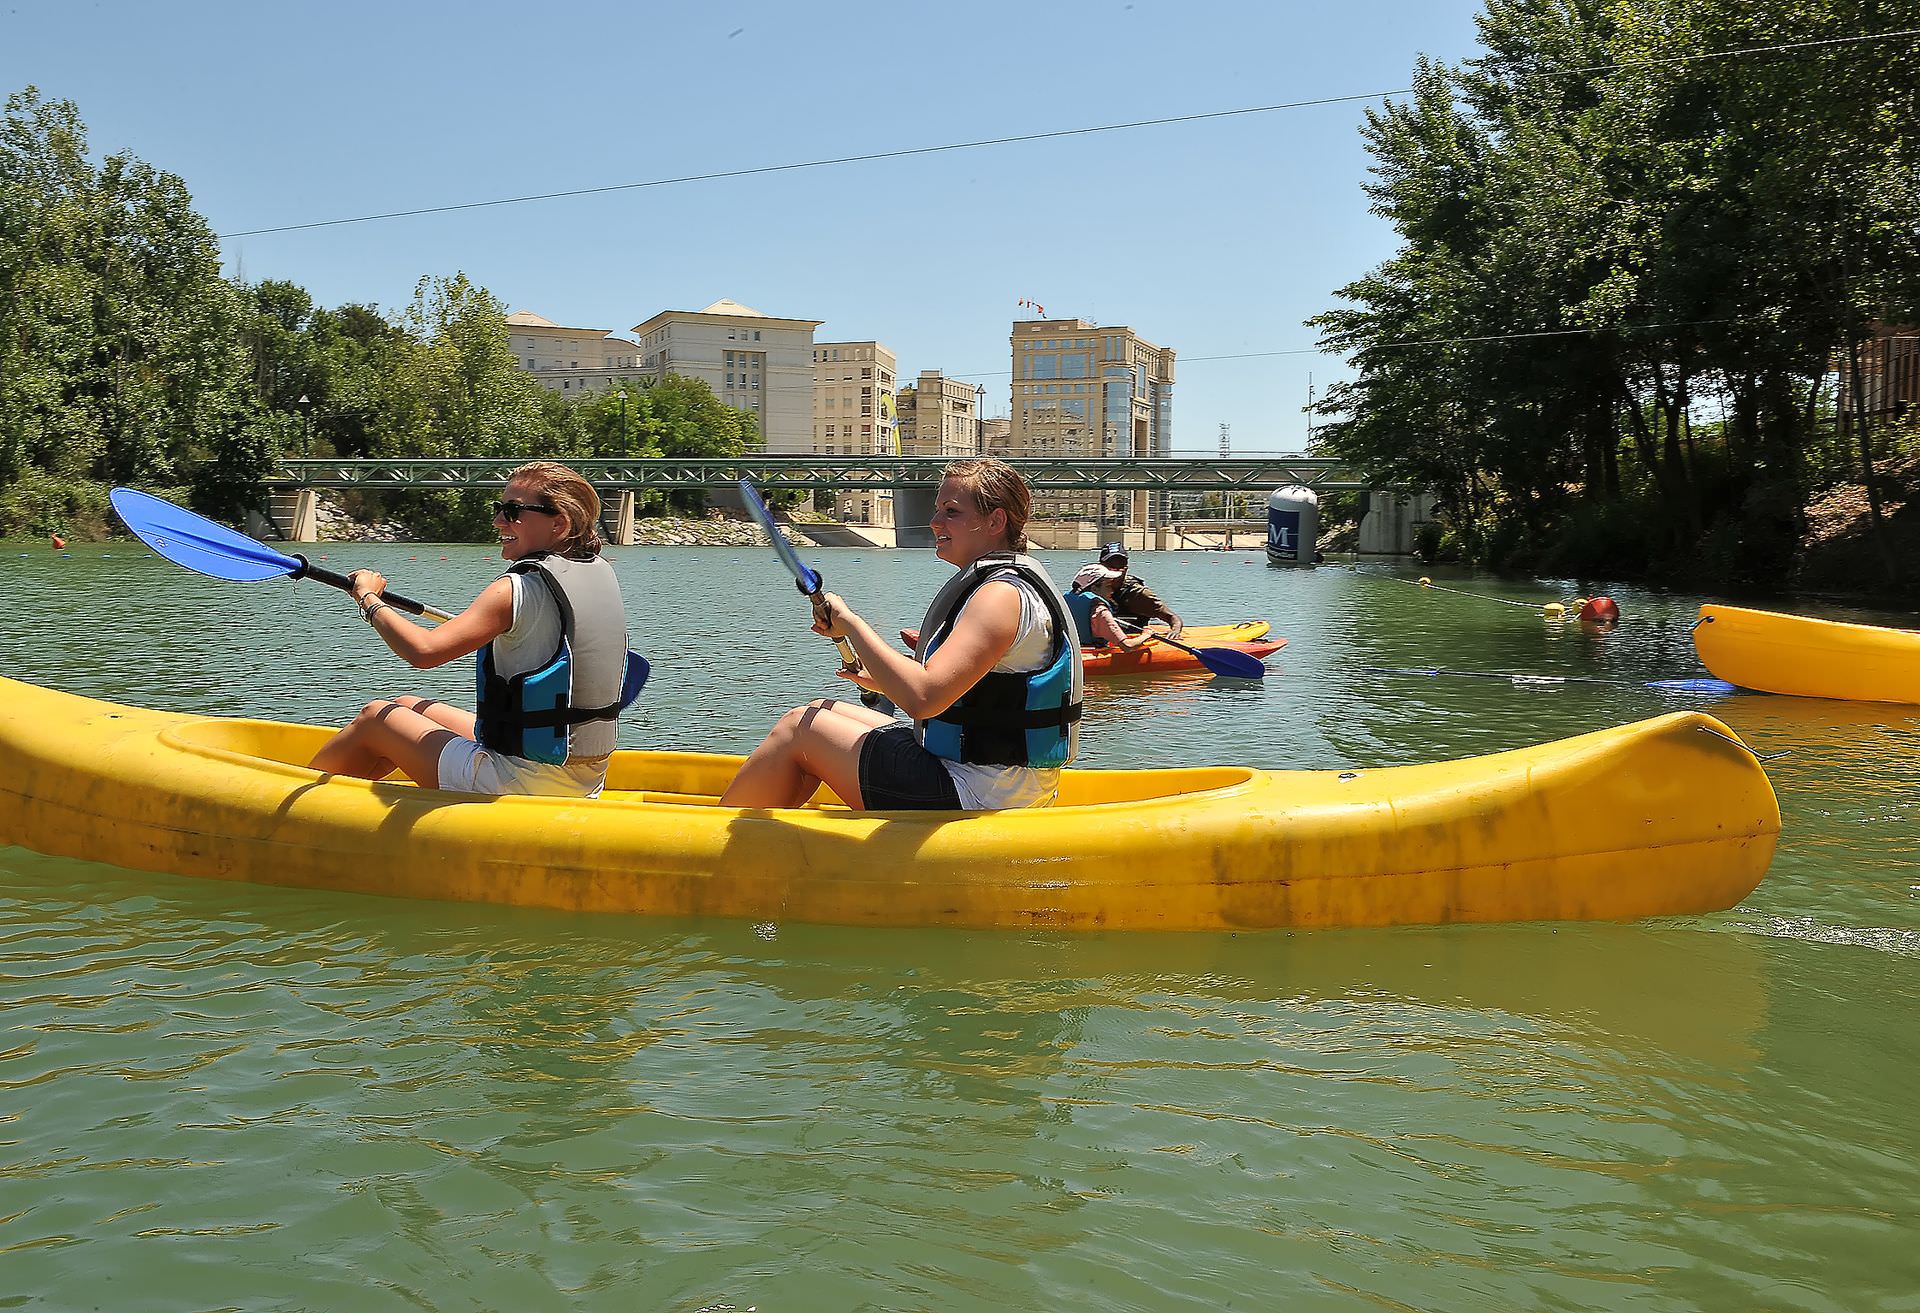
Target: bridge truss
[[845, 473]]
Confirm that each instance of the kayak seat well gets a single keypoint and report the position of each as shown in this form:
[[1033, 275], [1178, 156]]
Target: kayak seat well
[[695, 778]]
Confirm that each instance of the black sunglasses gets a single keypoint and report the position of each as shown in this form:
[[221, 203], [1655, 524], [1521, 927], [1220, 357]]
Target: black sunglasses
[[511, 511]]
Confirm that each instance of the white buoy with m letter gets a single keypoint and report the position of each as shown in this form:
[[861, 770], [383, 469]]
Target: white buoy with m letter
[[1293, 525]]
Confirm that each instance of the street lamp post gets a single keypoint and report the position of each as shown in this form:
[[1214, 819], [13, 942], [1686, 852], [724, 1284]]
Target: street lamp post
[[306, 432]]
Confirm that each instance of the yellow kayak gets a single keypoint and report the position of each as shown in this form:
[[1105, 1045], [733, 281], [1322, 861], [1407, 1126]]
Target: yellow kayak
[[1792, 654], [1247, 631], [1664, 817]]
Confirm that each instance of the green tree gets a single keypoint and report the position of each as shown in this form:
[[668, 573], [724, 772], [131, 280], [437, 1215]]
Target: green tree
[[120, 354], [478, 402], [1604, 239]]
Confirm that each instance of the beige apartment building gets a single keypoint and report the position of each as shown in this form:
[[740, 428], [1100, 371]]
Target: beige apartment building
[[939, 416], [854, 415], [996, 437], [571, 359], [758, 362], [853, 399], [1081, 389]]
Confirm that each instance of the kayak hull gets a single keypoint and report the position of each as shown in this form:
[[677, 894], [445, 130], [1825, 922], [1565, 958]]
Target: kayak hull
[[1665, 817], [1803, 657], [1159, 659]]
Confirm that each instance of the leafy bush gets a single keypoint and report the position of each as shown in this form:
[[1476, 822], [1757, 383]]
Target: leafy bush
[[39, 504]]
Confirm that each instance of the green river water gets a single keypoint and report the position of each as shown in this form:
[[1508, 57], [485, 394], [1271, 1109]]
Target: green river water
[[223, 1096]]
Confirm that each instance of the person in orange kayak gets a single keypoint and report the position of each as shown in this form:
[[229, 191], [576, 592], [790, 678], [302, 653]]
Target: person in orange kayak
[[1132, 599], [554, 671], [994, 685], [1090, 602]]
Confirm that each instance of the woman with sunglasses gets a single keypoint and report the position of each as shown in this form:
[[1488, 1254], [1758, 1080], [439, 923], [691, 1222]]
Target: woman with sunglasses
[[550, 640], [993, 685]]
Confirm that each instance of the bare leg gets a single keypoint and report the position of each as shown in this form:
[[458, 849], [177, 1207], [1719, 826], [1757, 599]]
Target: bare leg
[[815, 744], [457, 719], [385, 735]]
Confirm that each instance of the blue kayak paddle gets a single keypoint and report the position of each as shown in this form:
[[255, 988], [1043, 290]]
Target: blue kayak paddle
[[1708, 686], [212, 549], [809, 582], [1227, 661]]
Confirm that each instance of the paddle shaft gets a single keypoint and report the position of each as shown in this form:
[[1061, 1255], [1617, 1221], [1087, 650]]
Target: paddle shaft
[[321, 575], [811, 583]]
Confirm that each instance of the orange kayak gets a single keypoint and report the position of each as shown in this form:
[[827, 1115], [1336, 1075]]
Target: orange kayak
[[1158, 658], [1249, 636]]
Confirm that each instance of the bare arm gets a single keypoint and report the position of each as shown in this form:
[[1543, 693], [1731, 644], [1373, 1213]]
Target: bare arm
[[1107, 626], [423, 648], [983, 634]]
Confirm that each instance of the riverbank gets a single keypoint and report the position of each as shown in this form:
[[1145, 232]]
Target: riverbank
[[713, 529], [1840, 550]]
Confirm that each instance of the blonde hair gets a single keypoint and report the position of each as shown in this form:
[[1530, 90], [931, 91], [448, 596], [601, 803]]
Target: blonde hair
[[996, 486], [574, 498]]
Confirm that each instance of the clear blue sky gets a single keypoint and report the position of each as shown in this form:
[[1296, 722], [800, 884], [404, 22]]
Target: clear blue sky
[[1215, 238]]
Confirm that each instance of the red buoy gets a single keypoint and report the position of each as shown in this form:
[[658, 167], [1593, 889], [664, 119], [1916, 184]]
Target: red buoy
[[1601, 610], [58, 541]]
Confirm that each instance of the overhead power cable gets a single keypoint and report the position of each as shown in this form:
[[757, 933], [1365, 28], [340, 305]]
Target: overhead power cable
[[1054, 134], [1094, 381]]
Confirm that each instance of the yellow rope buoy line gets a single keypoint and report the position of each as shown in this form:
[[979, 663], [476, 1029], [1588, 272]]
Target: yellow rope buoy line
[[1601, 609]]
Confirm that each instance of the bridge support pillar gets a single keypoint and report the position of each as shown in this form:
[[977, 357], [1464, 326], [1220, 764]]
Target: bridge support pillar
[[295, 513], [912, 508], [1392, 518], [616, 519]]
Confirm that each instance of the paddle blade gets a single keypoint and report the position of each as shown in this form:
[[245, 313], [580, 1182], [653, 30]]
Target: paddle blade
[[807, 580], [1718, 687], [197, 542], [1231, 663]]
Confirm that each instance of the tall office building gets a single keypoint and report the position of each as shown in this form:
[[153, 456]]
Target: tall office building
[[758, 362], [853, 399], [1080, 389], [854, 415], [940, 417]]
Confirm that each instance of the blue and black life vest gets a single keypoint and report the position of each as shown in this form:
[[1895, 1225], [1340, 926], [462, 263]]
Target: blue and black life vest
[[570, 704], [1007, 719], [1081, 606]]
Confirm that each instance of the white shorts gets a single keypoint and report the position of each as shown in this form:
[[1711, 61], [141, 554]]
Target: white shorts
[[466, 767]]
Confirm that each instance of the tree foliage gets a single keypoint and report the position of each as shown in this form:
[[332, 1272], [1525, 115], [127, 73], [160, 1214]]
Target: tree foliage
[[1629, 257], [126, 358]]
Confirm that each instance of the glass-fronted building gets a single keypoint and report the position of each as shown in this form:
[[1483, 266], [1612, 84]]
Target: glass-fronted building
[[1080, 389]]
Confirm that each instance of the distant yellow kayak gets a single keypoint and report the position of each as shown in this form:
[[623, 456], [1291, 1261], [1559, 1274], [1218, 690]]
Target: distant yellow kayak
[[1775, 653], [1666, 817]]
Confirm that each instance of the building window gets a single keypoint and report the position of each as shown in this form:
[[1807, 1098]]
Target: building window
[[756, 335]]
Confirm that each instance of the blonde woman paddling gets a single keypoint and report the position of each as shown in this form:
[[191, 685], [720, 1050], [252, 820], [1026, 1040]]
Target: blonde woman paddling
[[993, 687], [553, 670]]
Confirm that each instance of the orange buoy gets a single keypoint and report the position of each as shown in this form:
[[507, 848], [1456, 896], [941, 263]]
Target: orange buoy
[[58, 541]]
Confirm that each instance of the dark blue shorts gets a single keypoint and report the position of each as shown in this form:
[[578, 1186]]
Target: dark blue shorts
[[898, 775]]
